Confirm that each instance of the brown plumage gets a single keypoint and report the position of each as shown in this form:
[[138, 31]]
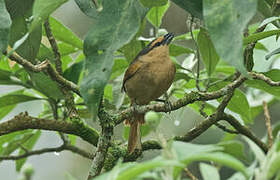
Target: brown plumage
[[148, 77]]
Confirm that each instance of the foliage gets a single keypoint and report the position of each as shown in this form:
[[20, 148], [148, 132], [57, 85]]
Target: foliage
[[94, 68]]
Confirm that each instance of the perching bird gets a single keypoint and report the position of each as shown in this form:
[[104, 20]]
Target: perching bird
[[148, 77]]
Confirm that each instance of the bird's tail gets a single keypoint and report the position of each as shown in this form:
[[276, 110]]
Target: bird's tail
[[134, 139]]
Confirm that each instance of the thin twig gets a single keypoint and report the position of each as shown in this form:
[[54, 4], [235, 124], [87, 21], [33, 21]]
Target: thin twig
[[244, 131], [224, 128], [264, 78], [268, 124], [197, 54], [45, 65], [24, 121], [189, 174], [58, 64], [48, 150]]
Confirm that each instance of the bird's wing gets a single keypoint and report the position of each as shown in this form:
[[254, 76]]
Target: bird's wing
[[131, 70]]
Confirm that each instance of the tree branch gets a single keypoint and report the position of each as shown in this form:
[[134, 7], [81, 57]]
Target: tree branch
[[48, 150], [264, 78], [103, 144], [244, 131], [45, 65], [24, 121], [187, 99], [268, 124], [54, 46]]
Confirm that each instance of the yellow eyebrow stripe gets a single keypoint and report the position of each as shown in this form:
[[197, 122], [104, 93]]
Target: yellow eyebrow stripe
[[159, 39]]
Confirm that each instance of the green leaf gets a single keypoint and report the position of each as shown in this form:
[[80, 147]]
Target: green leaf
[[191, 6], [218, 157], [260, 36], [185, 150], [269, 20], [42, 9], [155, 14], [66, 49], [238, 103], [176, 50], [209, 171], [88, 8], [260, 46], [46, 85], [15, 98], [5, 25], [154, 3], [64, 34], [6, 110], [274, 167], [234, 148], [45, 53], [118, 68], [131, 49], [106, 36], [15, 143], [207, 50], [276, 51], [28, 145], [26, 44], [225, 21], [137, 169], [73, 72], [259, 154], [273, 74]]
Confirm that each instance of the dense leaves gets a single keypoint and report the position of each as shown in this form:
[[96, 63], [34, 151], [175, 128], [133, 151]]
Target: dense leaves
[[120, 30], [225, 21]]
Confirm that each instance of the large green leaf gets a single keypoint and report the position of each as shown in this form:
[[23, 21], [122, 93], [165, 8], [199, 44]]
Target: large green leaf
[[42, 9], [28, 145], [209, 171], [154, 3], [15, 142], [73, 72], [155, 14], [26, 44], [15, 98], [209, 55], [5, 24], [194, 7], [218, 157], [225, 21], [273, 74], [87, 7], [129, 171], [260, 36], [46, 85], [6, 110], [117, 24]]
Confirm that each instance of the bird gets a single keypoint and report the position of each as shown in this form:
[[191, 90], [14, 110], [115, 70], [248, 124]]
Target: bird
[[147, 77]]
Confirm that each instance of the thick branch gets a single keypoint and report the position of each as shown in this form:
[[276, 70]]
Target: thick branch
[[23, 121], [45, 65], [103, 144]]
